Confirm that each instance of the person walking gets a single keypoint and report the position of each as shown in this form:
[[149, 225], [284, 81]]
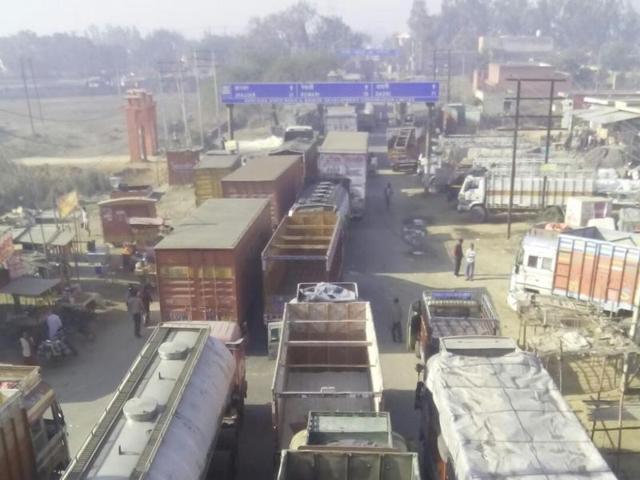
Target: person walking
[[27, 346], [396, 321], [145, 296], [457, 257], [388, 192], [135, 309], [470, 258]]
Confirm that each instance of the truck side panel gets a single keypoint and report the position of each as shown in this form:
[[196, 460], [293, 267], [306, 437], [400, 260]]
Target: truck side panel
[[598, 272], [352, 166], [17, 459], [528, 191]]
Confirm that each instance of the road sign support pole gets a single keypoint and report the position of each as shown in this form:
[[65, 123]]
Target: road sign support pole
[[230, 121], [428, 140]]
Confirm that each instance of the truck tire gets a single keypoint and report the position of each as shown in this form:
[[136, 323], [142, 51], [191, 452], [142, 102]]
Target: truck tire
[[478, 214]]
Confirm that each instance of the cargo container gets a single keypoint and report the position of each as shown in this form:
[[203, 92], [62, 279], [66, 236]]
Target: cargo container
[[343, 155], [209, 172], [306, 247], [594, 265], [449, 312], [488, 193], [176, 413], [490, 410], [327, 361], [278, 178], [208, 268], [33, 436], [180, 165], [348, 446], [115, 215], [308, 148]]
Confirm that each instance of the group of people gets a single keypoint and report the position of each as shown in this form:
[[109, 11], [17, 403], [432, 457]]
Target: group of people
[[469, 257], [28, 344]]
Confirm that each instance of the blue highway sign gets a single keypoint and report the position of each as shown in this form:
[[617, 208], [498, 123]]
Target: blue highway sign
[[330, 92]]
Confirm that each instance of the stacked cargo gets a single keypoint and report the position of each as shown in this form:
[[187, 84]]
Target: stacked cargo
[[208, 265], [278, 178], [209, 173]]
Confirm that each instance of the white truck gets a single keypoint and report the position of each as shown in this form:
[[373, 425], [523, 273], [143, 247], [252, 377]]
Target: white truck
[[490, 410], [348, 446], [176, 413], [327, 360], [482, 194]]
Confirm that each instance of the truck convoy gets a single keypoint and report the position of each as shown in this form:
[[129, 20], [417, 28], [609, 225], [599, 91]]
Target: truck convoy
[[348, 446], [598, 266], [344, 155], [33, 434], [490, 410], [328, 361], [306, 247], [176, 413], [449, 312]]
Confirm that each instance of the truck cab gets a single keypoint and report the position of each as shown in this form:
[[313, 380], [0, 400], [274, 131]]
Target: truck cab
[[46, 424], [471, 193]]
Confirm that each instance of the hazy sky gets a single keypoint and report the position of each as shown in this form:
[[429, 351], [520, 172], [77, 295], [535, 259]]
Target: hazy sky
[[191, 17]]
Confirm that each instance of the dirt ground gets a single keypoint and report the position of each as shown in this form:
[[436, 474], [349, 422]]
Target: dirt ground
[[377, 258]]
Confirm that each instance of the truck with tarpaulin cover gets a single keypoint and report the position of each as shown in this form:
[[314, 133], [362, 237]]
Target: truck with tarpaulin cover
[[449, 312], [491, 410], [327, 360], [348, 446]]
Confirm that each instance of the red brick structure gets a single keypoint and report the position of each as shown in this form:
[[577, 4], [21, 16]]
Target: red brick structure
[[141, 125]]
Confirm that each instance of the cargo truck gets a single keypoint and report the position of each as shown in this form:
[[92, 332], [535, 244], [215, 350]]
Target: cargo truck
[[589, 264], [327, 360], [344, 155], [176, 413], [33, 433], [483, 194], [348, 446], [449, 312], [491, 410], [404, 146], [306, 247]]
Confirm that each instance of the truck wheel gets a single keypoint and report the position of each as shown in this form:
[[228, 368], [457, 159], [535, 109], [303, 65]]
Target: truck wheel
[[478, 214], [552, 214]]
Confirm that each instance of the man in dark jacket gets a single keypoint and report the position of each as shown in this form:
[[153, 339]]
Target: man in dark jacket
[[457, 258]]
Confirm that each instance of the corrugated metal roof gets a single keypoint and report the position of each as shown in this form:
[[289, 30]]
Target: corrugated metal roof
[[217, 161], [218, 224], [263, 169], [606, 115], [29, 286], [43, 233], [345, 142]]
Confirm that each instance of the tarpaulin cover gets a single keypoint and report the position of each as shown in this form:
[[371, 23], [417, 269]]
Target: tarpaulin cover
[[503, 418]]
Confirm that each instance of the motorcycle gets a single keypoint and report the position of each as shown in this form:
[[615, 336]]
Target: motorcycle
[[55, 348]]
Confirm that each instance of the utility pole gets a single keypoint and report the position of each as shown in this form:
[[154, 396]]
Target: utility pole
[[428, 140], [513, 157], [215, 84], [35, 89], [448, 76], [163, 114], [197, 75], [180, 80], [26, 94], [230, 121], [547, 148], [435, 64]]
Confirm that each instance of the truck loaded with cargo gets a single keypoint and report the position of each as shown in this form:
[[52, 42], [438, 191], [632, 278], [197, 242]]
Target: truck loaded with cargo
[[278, 178], [598, 266], [490, 410], [404, 147], [483, 194], [306, 247], [208, 266], [324, 196], [348, 446], [177, 412], [449, 312], [344, 155], [33, 434], [328, 360]]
